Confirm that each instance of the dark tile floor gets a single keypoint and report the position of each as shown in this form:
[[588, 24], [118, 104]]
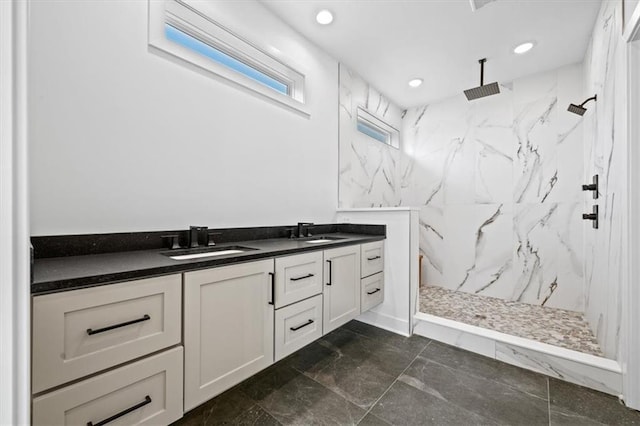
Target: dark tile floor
[[363, 375]]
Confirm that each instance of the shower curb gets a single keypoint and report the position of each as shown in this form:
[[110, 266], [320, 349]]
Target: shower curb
[[601, 374]]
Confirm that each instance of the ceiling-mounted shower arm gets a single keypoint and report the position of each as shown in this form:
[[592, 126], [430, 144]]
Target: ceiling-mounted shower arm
[[482, 90]]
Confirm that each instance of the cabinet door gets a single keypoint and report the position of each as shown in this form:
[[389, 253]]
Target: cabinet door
[[342, 286], [228, 327], [298, 277]]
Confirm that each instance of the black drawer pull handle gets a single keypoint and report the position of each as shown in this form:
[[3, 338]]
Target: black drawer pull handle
[[301, 326], [373, 292], [301, 278], [374, 257], [91, 332], [329, 262], [147, 400], [273, 288]]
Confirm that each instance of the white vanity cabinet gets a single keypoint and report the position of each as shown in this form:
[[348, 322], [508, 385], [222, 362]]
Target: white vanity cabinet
[[342, 286], [81, 332], [372, 283], [372, 258], [298, 301], [297, 277], [297, 325], [145, 392], [371, 291], [228, 327], [145, 351]]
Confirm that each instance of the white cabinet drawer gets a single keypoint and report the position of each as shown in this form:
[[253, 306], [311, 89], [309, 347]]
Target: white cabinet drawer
[[80, 332], [144, 392], [298, 325], [372, 291], [372, 258], [297, 277]]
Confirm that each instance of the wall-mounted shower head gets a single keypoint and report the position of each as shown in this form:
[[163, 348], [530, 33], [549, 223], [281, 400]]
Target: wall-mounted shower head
[[580, 109], [484, 89]]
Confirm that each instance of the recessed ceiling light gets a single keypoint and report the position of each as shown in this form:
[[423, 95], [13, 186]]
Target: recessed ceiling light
[[415, 82], [523, 48], [324, 17]]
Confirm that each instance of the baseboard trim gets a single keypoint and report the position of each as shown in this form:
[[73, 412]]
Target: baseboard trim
[[387, 322]]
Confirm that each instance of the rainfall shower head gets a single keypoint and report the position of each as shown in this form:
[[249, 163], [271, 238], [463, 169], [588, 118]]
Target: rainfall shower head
[[484, 89], [580, 109]]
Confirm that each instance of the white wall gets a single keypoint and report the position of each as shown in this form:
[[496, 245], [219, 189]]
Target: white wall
[[15, 297], [123, 139]]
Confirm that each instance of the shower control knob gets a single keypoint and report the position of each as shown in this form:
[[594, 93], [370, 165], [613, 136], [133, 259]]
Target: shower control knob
[[592, 187], [593, 217]]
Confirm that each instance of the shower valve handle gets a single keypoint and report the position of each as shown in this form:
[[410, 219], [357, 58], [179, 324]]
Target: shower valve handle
[[593, 187], [593, 217]]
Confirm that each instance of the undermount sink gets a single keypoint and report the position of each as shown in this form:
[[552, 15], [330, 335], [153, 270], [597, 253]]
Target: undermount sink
[[317, 240], [199, 253]]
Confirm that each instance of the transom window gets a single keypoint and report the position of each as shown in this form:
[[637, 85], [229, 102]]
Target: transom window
[[190, 31], [377, 129]]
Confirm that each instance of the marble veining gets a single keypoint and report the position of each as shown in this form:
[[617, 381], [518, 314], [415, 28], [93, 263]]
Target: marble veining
[[557, 327], [368, 168], [497, 183], [605, 155]]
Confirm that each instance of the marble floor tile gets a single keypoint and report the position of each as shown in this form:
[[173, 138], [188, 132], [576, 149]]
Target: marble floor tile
[[571, 404], [225, 408], [566, 329], [560, 417], [268, 381], [303, 401], [359, 381], [406, 405], [390, 359], [402, 381], [372, 420], [411, 345], [492, 400], [487, 368], [255, 416]]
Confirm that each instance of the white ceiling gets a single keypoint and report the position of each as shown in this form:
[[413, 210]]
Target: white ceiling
[[390, 42]]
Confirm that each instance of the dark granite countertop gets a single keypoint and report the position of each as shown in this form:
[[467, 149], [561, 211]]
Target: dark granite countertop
[[69, 272]]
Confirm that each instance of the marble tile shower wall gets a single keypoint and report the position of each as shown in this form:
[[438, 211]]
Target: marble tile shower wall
[[368, 168], [605, 155], [498, 182]]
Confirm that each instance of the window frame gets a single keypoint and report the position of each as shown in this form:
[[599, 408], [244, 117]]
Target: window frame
[[367, 119], [190, 18]]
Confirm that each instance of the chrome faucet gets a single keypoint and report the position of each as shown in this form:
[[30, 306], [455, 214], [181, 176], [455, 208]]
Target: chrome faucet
[[301, 227]]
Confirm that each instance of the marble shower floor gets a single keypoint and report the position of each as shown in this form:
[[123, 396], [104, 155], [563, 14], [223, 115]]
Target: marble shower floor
[[556, 327]]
